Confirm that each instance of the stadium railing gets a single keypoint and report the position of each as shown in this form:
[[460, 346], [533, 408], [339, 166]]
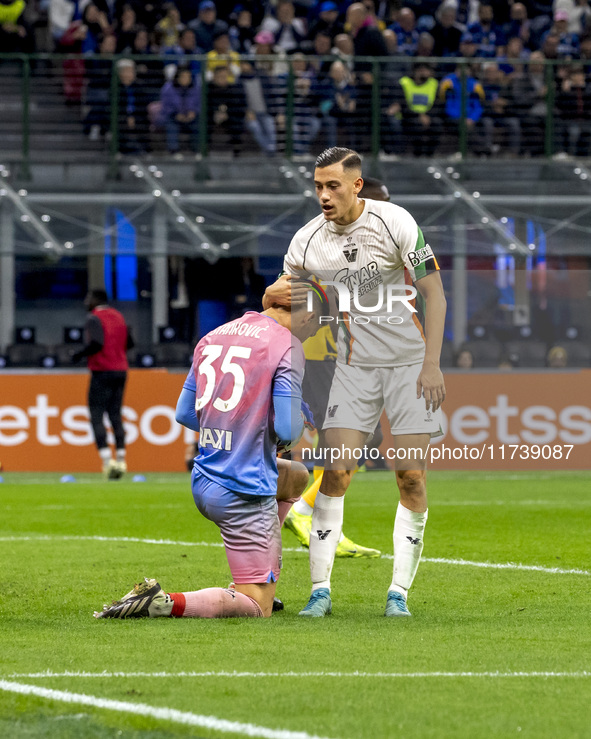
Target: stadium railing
[[73, 106]]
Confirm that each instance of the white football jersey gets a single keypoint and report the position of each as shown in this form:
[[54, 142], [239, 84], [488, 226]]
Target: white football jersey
[[375, 257]]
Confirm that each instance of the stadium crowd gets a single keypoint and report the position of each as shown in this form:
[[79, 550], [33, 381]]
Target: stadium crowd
[[328, 45]]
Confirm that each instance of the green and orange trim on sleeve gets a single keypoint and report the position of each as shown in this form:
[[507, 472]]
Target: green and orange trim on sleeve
[[422, 260]]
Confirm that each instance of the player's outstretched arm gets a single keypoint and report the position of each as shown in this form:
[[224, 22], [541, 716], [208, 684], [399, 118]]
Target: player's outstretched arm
[[430, 382], [185, 413]]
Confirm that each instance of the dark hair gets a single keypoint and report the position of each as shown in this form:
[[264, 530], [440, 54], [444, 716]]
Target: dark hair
[[349, 158], [100, 295], [373, 189]]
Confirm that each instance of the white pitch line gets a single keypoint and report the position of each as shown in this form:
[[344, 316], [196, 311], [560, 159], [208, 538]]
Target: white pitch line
[[172, 542], [290, 674], [162, 714], [505, 566]]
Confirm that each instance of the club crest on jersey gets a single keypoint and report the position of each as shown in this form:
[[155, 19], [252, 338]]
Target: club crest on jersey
[[350, 250], [420, 256]]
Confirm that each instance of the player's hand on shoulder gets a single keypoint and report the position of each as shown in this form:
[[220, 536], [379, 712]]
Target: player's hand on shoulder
[[431, 386]]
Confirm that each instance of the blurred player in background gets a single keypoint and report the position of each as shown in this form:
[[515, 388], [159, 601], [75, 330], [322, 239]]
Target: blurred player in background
[[107, 339], [321, 356], [384, 361], [244, 396]]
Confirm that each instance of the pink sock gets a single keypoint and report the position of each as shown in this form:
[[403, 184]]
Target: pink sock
[[283, 507], [217, 603]]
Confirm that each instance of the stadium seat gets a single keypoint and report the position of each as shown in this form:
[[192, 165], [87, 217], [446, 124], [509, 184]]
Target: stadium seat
[[173, 354], [578, 352], [63, 353], [527, 353], [26, 355], [447, 354], [486, 353]]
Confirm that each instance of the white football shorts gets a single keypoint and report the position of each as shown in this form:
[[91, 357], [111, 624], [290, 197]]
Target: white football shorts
[[358, 396]]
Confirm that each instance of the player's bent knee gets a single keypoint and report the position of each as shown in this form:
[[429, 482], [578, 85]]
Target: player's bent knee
[[411, 483], [336, 482], [301, 477]]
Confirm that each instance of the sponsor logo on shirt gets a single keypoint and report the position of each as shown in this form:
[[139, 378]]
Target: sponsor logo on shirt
[[420, 256], [364, 279], [216, 439]]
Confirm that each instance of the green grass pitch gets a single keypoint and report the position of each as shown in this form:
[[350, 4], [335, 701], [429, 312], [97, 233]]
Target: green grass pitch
[[466, 619]]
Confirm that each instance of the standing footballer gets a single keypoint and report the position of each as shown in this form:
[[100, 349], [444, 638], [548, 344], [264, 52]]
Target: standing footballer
[[385, 360]]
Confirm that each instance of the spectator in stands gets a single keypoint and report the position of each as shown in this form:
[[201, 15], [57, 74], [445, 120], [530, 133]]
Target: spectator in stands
[[466, 11], [506, 364], [328, 21], [262, 100], [515, 52], [15, 35], [488, 36], [73, 69], [498, 113], [288, 31], [425, 45], [169, 28], [557, 357], [306, 121], [322, 48], [226, 108], [573, 103], [222, 55], [528, 92], [345, 50], [464, 359], [126, 29], [207, 26], [585, 49], [338, 106], [568, 43], [519, 26], [376, 21], [447, 32], [181, 103], [468, 46], [579, 15], [367, 42], [242, 32], [61, 14], [450, 95], [411, 113], [98, 89], [97, 24], [367, 39], [187, 47], [133, 110], [406, 33]]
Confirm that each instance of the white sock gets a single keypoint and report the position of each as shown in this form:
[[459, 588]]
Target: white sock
[[121, 455], [327, 523], [105, 454], [408, 546], [303, 508]]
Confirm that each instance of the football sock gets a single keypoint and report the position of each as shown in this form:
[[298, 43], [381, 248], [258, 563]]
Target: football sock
[[327, 522], [105, 453], [214, 603], [120, 455], [305, 504], [283, 507], [409, 527]]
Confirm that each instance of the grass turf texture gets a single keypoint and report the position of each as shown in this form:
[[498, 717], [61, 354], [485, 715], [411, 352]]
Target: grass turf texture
[[465, 619]]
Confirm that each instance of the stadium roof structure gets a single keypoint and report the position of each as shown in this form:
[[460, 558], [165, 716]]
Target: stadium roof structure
[[216, 206]]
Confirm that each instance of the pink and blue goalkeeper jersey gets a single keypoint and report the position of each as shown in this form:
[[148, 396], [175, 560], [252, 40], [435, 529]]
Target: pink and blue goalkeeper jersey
[[237, 369]]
